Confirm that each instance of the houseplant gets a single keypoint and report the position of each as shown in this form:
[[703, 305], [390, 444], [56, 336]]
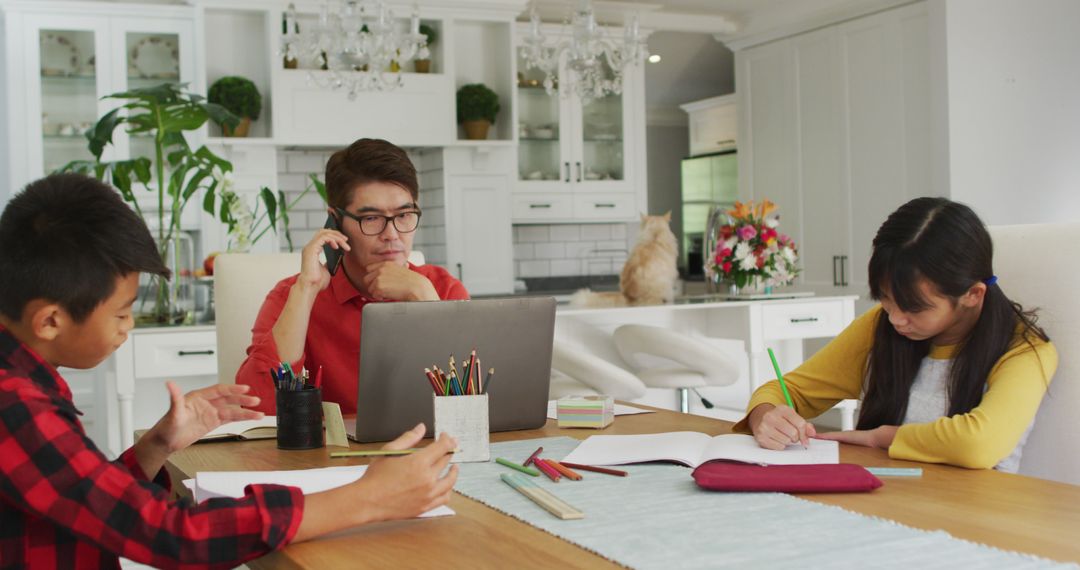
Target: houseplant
[[423, 65], [174, 175], [240, 96], [748, 252], [477, 106]]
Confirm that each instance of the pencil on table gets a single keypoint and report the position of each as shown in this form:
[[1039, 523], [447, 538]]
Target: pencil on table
[[565, 471], [547, 469], [595, 469]]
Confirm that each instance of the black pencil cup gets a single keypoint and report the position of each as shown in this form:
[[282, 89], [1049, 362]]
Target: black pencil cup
[[300, 419]]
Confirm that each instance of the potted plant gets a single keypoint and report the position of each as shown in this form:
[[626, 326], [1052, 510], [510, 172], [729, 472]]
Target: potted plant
[[174, 174], [477, 106], [423, 62], [241, 98]]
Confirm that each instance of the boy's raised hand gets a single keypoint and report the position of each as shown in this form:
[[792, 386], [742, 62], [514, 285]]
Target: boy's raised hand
[[405, 487], [194, 414]]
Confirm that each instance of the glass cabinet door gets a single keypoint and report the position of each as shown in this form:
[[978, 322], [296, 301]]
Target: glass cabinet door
[[602, 149], [68, 94], [150, 59], [539, 116]]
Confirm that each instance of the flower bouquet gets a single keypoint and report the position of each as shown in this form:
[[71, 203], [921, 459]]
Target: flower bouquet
[[749, 252]]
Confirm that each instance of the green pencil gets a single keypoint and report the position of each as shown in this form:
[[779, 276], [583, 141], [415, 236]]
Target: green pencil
[[780, 379], [522, 468]]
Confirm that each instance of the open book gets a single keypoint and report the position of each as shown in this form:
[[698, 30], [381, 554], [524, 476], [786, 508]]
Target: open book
[[248, 429], [693, 448], [212, 484]]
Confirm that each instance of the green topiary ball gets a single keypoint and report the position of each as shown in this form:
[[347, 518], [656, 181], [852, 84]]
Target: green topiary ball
[[237, 94], [476, 102]]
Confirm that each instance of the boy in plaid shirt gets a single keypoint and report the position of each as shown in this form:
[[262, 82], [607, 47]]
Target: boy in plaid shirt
[[70, 256]]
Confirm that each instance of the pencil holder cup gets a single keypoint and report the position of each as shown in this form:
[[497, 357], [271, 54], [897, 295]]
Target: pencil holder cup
[[300, 419], [466, 419]]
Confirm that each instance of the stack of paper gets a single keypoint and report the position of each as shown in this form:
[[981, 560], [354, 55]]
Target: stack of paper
[[211, 484]]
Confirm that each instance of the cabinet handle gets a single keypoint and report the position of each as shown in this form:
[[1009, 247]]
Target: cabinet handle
[[725, 141], [604, 205], [805, 320], [843, 271], [460, 276], [539, 205], [835, 281], [567, 165], [194, 352], [578, 165]]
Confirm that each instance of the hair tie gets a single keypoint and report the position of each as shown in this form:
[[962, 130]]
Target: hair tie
[[990, 280]]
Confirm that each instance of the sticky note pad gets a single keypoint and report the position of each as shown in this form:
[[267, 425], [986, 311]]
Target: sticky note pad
[[585, 411]]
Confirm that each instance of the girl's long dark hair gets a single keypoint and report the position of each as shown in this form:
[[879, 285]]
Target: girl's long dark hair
[[945, 243]]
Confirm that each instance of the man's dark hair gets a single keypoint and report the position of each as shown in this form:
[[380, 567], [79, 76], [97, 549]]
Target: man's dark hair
[[67, 238], [368, 160]]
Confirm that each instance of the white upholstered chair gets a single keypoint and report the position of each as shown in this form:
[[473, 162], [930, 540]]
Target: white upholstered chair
[[584, 361], [241, 282], [663, 358], [1038, 275]]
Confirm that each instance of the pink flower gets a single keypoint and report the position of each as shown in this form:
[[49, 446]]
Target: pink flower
[[746, 233], [724, 253], [727, 267]]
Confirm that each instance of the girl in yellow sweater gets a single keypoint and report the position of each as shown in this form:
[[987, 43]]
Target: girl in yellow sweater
[[949, 370]]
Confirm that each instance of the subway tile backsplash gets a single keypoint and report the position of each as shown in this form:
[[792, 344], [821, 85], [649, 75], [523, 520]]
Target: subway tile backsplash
[[554, 250]]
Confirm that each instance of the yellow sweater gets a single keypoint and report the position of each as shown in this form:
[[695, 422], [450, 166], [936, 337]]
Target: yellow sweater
[[978, 439]]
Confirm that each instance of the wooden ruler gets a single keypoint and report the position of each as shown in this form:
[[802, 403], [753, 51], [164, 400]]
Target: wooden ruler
[[542, 497]]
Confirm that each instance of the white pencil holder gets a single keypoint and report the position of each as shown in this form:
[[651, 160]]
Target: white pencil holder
[[466, 419]]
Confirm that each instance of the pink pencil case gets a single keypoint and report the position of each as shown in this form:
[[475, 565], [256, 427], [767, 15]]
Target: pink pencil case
[[744, 477]]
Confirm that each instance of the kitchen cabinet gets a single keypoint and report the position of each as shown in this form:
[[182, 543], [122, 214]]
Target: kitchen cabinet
[[713, 124], [479, 237], [834, 128], [567, 147]]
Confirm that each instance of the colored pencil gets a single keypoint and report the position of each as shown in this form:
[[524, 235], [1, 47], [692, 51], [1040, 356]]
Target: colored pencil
[[380, 452], [595, 469], [522, 468], [780, 379], [318, 377], [895, 471], [487, 381], [533, 456], [566, 472], [542, 497], [547, 469], [431, 380]]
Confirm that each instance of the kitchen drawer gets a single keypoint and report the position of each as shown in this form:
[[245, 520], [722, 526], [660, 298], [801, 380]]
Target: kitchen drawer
[[542, 207], [802, 320], [175, 354], [604, 206]]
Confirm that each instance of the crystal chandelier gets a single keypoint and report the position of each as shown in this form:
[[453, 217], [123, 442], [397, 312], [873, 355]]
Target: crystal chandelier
[[594, 63], [360, 46]]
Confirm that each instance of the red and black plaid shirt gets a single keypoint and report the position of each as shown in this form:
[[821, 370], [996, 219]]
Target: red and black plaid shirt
[[63, 504]]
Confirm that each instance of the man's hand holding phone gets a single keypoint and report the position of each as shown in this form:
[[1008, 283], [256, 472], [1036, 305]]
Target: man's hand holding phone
[[333, 244]]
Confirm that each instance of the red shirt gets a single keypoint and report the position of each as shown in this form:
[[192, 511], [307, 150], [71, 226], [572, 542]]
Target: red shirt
[[63, 504], [332, 340]]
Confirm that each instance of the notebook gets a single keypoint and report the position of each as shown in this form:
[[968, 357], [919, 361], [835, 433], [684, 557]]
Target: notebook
[[398, 340], [693, 448], [212, 484], [264, 428]]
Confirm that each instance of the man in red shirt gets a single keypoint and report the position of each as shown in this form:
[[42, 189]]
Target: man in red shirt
[[312, 319], [70, 256]]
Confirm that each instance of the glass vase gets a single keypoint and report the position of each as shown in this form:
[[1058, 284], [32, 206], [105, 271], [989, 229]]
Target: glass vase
[[169, 302], [715, 219]]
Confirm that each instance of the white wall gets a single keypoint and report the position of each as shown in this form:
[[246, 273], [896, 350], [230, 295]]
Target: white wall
[[1013, 69], [666, 146]]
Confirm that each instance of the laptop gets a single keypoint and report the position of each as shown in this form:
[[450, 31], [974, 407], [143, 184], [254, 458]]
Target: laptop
[[398, 340]]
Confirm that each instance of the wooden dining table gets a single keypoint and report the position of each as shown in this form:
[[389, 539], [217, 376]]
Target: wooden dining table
[[1011, 512]]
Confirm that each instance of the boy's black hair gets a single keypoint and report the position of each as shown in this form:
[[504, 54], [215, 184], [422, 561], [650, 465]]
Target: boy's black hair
[[67, 238]]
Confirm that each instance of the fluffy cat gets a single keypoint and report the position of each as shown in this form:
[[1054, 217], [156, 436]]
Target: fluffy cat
[[649, 275]]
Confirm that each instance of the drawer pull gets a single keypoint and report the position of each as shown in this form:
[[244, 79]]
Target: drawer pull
[[805, 320], [206, 352], [539, 205], [604, 205]]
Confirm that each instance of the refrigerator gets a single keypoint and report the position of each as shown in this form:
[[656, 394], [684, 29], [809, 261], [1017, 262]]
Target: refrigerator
[[708, 181]]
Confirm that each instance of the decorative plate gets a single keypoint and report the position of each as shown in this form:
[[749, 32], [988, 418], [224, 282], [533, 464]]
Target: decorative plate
[[155, 57], [59, 55]]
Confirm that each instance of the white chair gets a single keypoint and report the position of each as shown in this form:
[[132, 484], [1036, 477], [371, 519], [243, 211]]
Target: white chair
[[663, 358], [584, 361], [1044, 277], [241, 282]]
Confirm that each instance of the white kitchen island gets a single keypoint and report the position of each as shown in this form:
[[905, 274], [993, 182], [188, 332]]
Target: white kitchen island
[[780, 324]]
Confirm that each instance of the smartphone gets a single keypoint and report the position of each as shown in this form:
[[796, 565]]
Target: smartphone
[[333, 256]]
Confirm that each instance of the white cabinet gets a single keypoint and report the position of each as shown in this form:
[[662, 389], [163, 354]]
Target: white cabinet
[[834, 128], [479, 239], [62, 58], [566, 147], [713, 124]]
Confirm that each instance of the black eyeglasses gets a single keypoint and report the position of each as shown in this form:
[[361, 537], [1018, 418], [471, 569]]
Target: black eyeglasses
[[375, 224]]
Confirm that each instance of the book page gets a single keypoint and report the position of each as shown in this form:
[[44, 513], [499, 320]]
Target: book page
[[740, 447], [678, 446], [233, 429]]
